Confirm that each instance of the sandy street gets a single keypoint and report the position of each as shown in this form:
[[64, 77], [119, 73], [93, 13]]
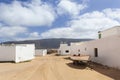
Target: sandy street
[[54, 68]]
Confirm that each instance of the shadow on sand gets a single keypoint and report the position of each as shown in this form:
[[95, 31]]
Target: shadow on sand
[[78, 66], [7, 62], [108, 71], [104, 70]]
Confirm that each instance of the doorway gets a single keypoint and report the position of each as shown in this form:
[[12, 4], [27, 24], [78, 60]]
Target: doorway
[[96, 52]]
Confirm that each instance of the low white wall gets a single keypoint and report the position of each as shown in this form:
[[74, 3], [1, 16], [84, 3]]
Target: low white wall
[[40, 52], [7, 53], [24, 52]]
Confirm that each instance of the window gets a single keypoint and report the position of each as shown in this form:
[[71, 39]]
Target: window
[[67, 51], [96, 52], [99, 34], [78, 50]]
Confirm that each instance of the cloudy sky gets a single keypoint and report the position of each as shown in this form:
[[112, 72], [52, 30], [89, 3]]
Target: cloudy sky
[[39, 19]]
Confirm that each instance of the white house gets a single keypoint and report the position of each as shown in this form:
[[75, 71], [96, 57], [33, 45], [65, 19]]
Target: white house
[[73, 48], [17, 52], [105, 51], [77, 48], [40, 52], [64, 49]]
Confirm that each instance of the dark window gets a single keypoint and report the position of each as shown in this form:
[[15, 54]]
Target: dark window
[[85, 49], [78, 50], [67, 51], [96, 52]]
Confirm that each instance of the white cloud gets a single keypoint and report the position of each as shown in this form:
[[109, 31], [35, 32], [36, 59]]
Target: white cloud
[[37, 13], [58, 33], [85, 26], [94, 20], [17, 33], [113, 13], [34, 34], [27, 14], [7, 32], [29, 36], [70, 7], [36, 2]]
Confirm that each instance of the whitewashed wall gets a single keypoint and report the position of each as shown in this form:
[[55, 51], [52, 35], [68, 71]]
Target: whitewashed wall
[[108, 51], [7, 53], [63, 48], [78, 48], [24, 52], [74, 48], [111, 32], [17, 53], [41, 52]]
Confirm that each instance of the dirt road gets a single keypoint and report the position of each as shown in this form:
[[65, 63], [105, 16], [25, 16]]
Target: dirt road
[[51, 68]]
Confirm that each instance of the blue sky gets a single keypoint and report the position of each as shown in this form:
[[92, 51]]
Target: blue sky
[[39, 19]]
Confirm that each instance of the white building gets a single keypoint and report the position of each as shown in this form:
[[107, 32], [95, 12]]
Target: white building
[[105, 51], [73, 48], [17, 52], [40, 52], [77, 48], [64, 49]]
